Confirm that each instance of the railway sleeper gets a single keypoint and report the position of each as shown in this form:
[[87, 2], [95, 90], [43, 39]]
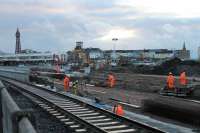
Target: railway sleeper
[[69, 106], [92, 114], [75, 110], [49, 110], [91, 118], [80, 130], [74, 126], [99, 120], [56, 114], [69, 123], [106, 123], [66, 103], [47, 107], [123, 131], [54, 111], [59, 117], [83, 112], [72, 108], [59, 100], [114, 127], [64, 119]]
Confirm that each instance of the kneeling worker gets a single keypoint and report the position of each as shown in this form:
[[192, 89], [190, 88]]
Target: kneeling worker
[[118, 110]]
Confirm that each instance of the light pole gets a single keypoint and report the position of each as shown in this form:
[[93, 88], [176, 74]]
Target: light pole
[[114, 58]]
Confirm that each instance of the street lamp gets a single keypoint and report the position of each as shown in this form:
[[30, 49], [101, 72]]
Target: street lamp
[[114, 58], [115, 40], [114, 47]]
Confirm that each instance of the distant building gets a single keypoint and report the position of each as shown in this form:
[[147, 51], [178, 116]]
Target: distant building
[[63, 58], [79, 45], [94, 53], [78, 56], [18, 43], [28, 51], [149, 53], [32, 58], [183, 54], [164, 54], [157, 54], [143, 54], [124, 53], [26, 58]]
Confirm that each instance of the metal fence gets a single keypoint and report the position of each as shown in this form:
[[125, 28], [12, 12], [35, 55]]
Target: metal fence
[[13, 120]]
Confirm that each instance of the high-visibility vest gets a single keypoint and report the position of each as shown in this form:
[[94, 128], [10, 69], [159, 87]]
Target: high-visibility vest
[[183, 79], [118, 110], [66, 83], [111, 80], [170, 81]]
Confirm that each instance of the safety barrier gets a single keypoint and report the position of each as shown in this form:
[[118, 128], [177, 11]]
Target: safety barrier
[[13, 120]]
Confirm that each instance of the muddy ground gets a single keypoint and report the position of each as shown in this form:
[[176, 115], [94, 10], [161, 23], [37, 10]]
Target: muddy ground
[[133, 90], [134, 99]]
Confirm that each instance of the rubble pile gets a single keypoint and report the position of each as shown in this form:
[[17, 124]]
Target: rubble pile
[[175, 66]]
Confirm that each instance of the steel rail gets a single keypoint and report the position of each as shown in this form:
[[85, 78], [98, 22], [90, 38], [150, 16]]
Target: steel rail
[[124, 121]]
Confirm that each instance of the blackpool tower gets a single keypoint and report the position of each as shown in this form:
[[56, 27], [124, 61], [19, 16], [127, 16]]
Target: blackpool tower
[[18, 43]]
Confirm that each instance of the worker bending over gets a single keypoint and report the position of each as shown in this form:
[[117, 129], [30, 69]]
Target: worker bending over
[[111, 80], [183, 79], [170, 81], [118, 110], [66, 83]]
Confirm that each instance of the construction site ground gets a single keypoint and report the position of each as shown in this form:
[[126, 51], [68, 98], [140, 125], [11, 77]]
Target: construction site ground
[[138, 88]]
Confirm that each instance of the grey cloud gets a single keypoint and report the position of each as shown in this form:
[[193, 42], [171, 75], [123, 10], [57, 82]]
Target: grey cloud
[[51, 25]]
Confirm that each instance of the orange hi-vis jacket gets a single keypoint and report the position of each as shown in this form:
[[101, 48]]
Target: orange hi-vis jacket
[[118, 110], [111, 80], [170, 81], [183, 79], [66, 83]]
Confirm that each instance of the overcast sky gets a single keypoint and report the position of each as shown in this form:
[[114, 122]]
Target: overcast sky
[[56, 25]]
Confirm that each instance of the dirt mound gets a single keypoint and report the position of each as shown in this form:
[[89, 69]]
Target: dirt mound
[[175, 66]]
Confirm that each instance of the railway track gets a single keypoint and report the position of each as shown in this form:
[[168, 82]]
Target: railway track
[[80, 117]]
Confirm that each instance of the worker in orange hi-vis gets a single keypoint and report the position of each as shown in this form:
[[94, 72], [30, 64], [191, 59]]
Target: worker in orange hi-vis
[[111, 80], [66, 83], [118, 110], [183, 79], [170, 81]]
